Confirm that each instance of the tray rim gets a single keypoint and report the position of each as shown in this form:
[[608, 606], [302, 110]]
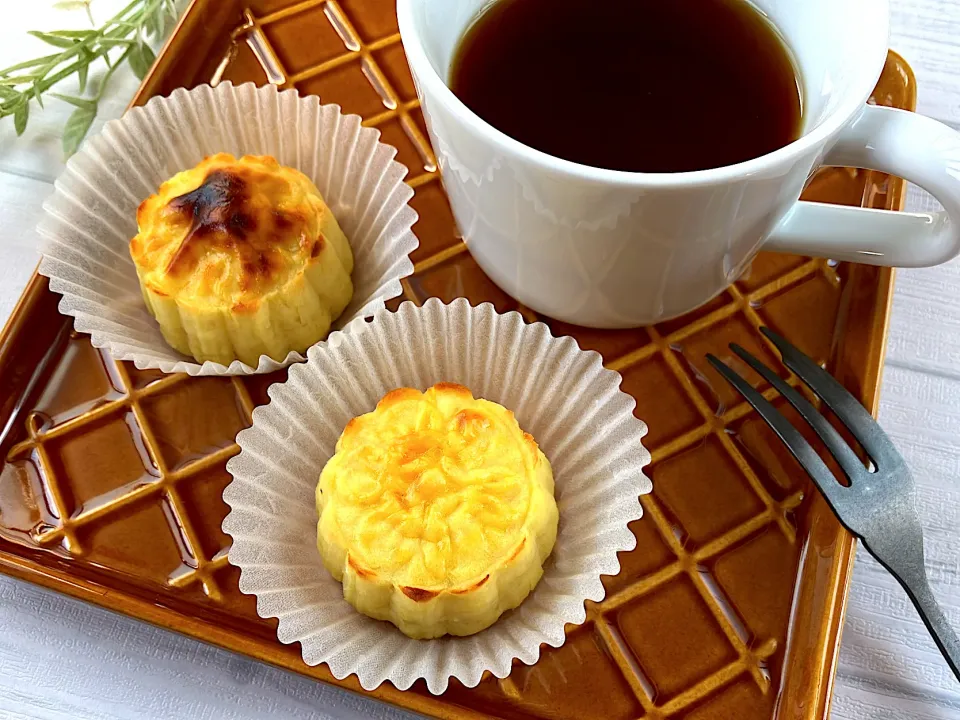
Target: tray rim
[[25, 569]]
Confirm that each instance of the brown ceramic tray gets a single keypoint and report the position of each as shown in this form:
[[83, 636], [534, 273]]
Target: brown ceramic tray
[[732, 603]]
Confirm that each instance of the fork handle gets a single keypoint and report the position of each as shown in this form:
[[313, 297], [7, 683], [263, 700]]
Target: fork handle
[[932, 615]]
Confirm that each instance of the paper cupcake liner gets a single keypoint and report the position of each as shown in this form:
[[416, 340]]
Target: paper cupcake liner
[[91, 217], [560, 394]]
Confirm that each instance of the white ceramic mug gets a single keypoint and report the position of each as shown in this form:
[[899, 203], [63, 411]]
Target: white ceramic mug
[[611, 249]]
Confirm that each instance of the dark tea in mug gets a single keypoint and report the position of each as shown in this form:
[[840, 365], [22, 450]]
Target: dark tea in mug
[[637, 85]]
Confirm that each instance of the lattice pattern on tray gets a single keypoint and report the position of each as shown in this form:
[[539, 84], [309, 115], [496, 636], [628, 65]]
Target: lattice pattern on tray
[[120, 471]]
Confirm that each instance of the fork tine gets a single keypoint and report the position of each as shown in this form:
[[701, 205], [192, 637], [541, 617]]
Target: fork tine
[[850, 463], [844, 405], [791, 437]]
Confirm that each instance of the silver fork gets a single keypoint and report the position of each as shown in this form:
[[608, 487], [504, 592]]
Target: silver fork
[[878, 506]]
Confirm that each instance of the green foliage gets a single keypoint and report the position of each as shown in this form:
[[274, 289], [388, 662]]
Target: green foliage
[[124, 36]]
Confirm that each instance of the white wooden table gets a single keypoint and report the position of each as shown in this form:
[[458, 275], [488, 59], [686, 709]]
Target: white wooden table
[[60, 658]]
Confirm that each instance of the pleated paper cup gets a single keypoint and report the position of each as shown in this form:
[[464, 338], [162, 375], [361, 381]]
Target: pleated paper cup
[[560, 394], [91, 217]]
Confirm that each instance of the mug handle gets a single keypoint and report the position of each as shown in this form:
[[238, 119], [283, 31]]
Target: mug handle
[[916, 148]]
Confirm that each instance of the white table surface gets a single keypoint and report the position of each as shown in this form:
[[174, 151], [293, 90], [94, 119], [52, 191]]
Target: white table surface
[[60, 658]]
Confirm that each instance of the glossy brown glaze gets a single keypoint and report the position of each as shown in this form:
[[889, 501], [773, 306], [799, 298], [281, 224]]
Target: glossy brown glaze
[[111, 482]]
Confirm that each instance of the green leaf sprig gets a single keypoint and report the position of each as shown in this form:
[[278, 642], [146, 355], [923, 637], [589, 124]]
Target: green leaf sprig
[[121, 39]]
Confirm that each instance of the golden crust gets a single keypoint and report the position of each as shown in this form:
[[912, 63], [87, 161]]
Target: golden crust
[[239, 259], [228, 233], [439, 499]]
